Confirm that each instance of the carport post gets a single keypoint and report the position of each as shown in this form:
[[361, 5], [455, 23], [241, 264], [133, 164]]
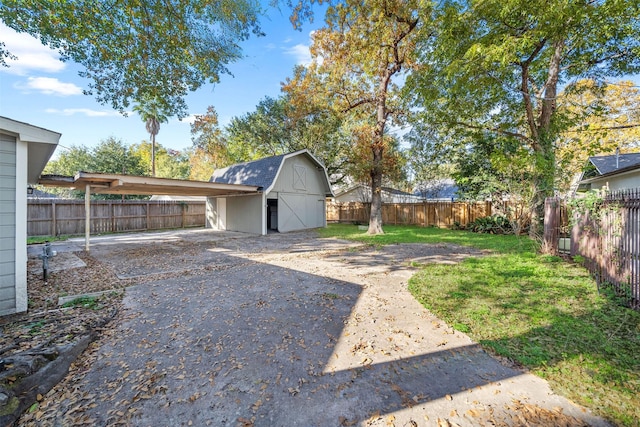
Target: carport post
[[87, 216]]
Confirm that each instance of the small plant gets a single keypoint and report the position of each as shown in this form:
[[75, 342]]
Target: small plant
[[578, 259], [86, 302], [34, 328], [494, 224]]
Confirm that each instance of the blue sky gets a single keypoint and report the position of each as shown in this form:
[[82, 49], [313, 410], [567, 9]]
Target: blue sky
[[43, 91]]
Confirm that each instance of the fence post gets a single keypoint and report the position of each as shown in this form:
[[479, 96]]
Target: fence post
[[54, 230], [551, 225], [147, 223]]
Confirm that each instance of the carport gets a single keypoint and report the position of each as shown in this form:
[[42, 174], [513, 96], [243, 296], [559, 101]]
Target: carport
[[102, 183]]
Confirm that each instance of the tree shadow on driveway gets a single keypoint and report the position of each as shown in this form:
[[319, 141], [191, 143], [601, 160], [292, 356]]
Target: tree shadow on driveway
[[283, 336]]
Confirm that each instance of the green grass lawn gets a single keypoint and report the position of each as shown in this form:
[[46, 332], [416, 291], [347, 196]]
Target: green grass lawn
[[43, 239], [539, 311]]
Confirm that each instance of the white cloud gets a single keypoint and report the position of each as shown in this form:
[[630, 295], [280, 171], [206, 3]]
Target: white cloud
[[84, 111], [301, 53], [32, 55], [50, 86]]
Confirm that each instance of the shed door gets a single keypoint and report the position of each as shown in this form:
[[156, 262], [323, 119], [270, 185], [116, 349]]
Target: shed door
[[299, 211], [292, 212]]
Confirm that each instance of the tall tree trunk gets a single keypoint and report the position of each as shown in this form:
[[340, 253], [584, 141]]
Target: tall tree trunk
[[544, 137], [375, 217], [153, 155], [544, 179]]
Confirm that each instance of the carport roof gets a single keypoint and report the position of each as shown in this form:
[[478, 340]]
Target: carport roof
[[103, 183]]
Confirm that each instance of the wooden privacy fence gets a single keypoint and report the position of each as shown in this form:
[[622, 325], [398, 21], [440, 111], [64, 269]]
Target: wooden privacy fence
[[56, 217], [556, 225], [609, 241], [426, 214]]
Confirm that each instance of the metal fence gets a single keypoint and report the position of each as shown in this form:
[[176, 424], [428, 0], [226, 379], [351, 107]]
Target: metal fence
[[609, 241], [426, 214], [56, 217]]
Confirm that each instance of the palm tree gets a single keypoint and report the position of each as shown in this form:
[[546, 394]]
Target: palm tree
[[149, 111]]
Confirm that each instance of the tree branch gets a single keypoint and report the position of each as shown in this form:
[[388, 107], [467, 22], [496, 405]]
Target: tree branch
[[496, 130]]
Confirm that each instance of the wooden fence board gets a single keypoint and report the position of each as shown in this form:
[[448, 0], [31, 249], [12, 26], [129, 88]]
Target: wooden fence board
[[56, 217], [426, 214]]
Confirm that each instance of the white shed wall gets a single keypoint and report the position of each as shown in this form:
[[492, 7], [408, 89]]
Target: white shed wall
[[246, 214], [300, 190], [216, 213]]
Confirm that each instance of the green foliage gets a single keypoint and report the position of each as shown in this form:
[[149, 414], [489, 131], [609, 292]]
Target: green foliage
[[590, 202], [92, 303], [113, 156], [395, 234], [276, 128], [494, 69], [134, 50], [494, 224]]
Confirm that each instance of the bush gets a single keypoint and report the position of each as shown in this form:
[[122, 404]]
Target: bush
[[494, 224]]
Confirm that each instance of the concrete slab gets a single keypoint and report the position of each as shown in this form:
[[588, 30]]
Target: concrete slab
[[293, 330]]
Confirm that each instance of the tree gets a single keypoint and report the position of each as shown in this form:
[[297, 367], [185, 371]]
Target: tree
[[276, 127], [110, 156], [201, 164], [169, 163], [496, 67], [149, 110], [603, 117], [208, 141], [136, 49], [363, 48]]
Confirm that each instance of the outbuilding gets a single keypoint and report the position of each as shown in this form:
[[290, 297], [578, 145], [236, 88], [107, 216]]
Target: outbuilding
[[24, 151], [292, 195]]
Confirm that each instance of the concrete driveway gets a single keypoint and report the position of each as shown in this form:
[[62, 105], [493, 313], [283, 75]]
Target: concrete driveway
[[227, 329]]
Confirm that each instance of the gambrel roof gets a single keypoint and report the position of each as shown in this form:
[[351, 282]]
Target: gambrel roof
[[263, 172]]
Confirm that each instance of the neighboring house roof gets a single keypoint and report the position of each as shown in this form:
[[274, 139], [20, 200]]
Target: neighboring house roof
[[263, 172], [614, 163], [438, 189], [362, 193], [395, 191], [601, 167], [387, 190], [39, 194]]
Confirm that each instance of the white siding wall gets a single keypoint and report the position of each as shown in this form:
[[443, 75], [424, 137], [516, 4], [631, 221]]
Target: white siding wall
[[8, 224], [620, 182]]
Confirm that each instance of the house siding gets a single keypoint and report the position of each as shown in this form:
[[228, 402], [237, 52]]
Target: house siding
[[622, 182], [8, 148]]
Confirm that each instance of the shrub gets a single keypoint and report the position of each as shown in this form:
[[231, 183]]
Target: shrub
[[494, 224]]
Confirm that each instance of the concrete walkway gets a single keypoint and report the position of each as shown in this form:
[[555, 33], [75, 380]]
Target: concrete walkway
[[292, 330]]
